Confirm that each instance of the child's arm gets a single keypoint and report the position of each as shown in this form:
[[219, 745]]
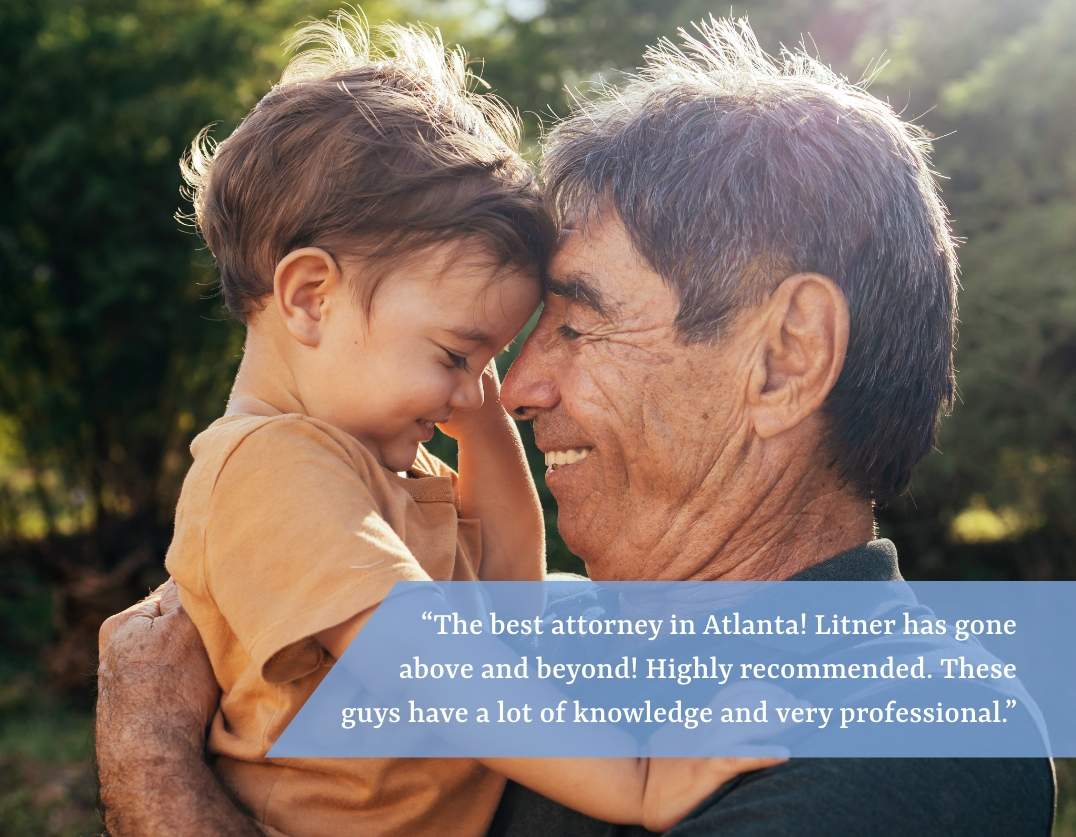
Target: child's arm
[[656, 793], [675, 787], [496, 488]]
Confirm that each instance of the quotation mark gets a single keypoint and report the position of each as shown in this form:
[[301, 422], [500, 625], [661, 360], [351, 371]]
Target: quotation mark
[[427, 615]]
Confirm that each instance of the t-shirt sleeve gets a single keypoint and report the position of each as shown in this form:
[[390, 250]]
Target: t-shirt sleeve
[[430, 465], [295, 544]]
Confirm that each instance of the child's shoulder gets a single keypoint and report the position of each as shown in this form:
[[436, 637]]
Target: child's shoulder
[[278, 439], [291, 450], [279, 445]]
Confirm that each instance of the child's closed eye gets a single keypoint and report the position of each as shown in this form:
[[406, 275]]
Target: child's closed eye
[[458, 361]]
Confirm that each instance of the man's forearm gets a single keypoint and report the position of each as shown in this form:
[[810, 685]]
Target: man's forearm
[[156, 694], [169, 796]]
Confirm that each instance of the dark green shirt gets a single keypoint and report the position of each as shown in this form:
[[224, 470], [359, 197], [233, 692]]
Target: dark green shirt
[[837, 797]]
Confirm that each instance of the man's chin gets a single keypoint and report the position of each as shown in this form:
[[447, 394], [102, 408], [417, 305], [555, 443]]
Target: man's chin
[[603, 569], [575, 538]]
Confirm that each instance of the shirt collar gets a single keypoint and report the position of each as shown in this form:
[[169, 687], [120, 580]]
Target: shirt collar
[[872, 561]]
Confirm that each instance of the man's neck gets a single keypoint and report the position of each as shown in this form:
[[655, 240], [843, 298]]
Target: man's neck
[[829, 525], [802, 515]]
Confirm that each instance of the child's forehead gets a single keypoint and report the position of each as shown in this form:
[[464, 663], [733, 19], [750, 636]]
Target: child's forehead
[[465, 290], [475, 299], [472, 334], [464, 271]]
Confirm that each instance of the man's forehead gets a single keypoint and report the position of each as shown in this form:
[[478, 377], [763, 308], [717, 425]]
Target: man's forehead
[[596, 264], [576, 271]]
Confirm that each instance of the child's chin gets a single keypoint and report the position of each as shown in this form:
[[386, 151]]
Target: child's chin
[[402, 459]]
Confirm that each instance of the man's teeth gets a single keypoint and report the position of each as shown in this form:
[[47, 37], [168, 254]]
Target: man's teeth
[[565, 457], [428, 424]]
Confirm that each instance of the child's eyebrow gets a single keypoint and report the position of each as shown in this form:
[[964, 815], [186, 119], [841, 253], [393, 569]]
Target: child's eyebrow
[[471, 335]]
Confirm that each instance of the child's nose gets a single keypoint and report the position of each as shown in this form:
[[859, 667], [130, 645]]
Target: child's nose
[[468, 395]]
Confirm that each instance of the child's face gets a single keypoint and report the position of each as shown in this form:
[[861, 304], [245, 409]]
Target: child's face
[[434, 326]]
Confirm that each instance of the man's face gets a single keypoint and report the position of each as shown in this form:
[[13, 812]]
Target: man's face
[[604, 373]]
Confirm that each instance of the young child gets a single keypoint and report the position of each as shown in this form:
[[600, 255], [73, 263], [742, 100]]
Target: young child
[[380, 237]]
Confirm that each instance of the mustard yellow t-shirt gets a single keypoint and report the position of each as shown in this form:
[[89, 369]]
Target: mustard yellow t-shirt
[[285, 527]]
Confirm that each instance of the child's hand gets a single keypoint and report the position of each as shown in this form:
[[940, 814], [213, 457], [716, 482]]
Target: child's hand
[[675, 786], [466, 422], [729, 739]]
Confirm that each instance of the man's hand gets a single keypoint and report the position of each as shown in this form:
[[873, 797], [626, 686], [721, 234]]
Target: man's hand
[[152, 662], [156, 695]]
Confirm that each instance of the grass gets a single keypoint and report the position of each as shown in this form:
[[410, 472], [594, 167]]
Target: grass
[[1065, 822], [47, 787]]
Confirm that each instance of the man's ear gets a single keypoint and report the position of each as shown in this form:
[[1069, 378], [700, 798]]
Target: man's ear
[[799, 358], [302, 286]]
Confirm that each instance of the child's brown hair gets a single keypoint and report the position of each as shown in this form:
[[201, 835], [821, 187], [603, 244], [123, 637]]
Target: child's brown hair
[[366, 151]]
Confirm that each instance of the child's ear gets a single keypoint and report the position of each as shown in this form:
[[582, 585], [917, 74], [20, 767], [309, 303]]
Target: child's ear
[[302, 286]]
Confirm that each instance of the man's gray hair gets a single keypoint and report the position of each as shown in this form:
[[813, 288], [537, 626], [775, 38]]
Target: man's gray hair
[[733, 170]]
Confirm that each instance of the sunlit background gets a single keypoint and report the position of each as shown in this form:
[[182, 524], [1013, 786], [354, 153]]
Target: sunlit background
[[114, 350]]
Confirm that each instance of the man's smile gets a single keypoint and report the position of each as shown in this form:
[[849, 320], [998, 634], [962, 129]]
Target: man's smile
[[559, 458]]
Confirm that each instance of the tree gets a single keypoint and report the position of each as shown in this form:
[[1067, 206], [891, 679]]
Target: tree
[[114, 348], [998, 500]]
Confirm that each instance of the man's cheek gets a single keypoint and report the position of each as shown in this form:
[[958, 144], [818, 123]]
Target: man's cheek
[[605, 399]]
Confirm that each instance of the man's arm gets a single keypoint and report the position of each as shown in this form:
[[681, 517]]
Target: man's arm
[[156, 695]]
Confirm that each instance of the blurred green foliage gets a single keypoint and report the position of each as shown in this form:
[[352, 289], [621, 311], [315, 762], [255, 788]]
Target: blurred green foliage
[[109, 342], [115, 351], [1011, 444], [112, 347]]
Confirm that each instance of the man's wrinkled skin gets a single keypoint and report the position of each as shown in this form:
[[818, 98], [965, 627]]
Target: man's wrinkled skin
[[706, 459], [143, 648]]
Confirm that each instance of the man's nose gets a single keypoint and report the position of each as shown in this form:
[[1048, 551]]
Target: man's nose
[[529, 385]]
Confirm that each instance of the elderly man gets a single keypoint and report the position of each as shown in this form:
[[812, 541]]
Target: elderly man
[[748, 329]]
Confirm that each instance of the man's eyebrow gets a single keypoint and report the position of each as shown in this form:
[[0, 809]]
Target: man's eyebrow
[[580, 286]]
